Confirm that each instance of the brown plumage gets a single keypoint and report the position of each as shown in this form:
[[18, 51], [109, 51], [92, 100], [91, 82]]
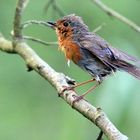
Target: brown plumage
[[89, 51]]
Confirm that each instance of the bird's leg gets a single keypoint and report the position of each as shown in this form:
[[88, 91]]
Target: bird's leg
[[83, 83], [83, 95], [77, 85]]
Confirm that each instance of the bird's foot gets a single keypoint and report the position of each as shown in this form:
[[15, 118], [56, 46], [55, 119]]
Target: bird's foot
[[68, 88], [65, 88], [77, 99]]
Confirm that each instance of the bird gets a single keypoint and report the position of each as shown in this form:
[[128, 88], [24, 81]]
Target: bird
[[91, 52]]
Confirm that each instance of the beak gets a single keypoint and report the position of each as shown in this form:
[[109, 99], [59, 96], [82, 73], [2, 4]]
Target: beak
[[51, 24]]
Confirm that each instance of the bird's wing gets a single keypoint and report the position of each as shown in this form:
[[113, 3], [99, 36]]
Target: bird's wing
[[111, 56], [103, 50]]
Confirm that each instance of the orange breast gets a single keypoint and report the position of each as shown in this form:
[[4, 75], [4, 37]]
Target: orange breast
[[70, 49]]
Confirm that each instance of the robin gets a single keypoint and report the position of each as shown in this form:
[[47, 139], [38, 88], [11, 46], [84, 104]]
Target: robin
[[91, 52]]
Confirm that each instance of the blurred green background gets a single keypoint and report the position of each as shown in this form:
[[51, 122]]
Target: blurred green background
[[29, 106]]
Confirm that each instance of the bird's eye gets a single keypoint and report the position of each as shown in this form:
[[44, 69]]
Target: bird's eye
[[66, 24]]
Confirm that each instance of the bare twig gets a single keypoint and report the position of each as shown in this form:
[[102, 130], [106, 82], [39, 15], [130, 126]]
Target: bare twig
[[39, 40], [55, 7], [17, 20], [49, 4], [113, 13], [98, 28], [30, 22]]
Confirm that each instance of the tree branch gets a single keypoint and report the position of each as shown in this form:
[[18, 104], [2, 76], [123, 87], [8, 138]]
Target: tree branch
[[113, 13], [55, 7], [58, 81], [6, 45], [30, 22], [39, 41], [98, 28], [17, 19]]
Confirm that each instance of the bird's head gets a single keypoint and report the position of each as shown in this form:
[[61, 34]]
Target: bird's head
[[69, 26]]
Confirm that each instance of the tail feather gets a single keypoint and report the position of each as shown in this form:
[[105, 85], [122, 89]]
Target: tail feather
[[130, 68], [135, 71]]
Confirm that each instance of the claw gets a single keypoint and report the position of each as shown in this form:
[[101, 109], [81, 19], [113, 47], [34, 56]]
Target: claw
[[77, 99], [66, 88]]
